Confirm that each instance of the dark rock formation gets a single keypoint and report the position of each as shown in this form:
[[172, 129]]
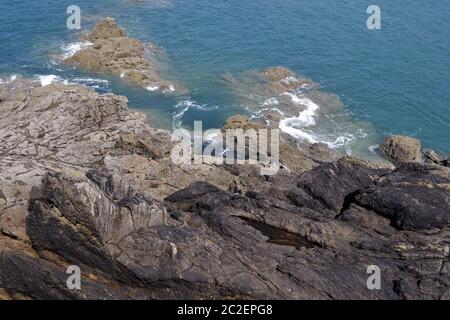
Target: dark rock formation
[[84, 181], [412, 197]]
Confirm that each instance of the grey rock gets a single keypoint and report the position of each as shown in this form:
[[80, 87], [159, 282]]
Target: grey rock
[[413, 197]]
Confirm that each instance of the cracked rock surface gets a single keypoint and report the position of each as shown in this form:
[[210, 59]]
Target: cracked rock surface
[[86, 182]]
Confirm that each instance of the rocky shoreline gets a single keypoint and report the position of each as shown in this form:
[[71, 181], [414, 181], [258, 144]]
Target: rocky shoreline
[[85, 181]]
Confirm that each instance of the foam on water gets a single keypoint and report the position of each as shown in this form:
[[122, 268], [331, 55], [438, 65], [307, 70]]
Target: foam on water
[[306, 118], [183, 107], [12, 78], [72, 48], [95, 83], [46, 80], [171, 88], [271, 102]]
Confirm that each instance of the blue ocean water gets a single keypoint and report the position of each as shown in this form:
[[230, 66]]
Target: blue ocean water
[[396, 79]]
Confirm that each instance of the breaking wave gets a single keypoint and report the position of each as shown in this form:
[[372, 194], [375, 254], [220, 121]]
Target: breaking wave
[[72, 48]]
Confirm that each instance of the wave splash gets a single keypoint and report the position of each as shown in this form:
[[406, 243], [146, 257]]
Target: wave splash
[[72, 48], [183, 107]]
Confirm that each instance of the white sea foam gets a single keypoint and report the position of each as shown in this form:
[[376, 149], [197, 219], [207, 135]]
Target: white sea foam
[[72, 48], [11, 78], [170, 89], [340, 141], [184, 106], [177, 116], [149, 88], [53, 65], [306, 118], [289, 80], [49, 79], [90, 81], [95, 83], [289, 126], [271, 102]]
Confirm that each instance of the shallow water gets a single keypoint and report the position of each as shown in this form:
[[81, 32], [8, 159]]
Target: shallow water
[[394, 80]]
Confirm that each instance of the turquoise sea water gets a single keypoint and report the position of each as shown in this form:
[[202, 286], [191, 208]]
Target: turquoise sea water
[[392, 81]]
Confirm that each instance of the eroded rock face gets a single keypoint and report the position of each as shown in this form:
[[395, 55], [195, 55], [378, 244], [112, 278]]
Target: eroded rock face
[[401, 149], [112, 51], [85, 181]]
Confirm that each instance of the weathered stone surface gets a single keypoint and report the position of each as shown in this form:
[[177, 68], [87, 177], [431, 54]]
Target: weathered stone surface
[[85, 181], [401, 149], [334, 185], [413, 197], [112, 51], [241, 122]]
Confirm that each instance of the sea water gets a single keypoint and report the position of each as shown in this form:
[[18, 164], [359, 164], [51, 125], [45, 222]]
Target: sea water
[[395, 80]]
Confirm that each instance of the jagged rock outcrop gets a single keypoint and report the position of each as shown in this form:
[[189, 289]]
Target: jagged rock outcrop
[[401, 149], [112, 51], [86, 182]]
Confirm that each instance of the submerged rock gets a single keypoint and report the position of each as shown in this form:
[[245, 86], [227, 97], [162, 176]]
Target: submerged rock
[[112, 51], [85, 181]]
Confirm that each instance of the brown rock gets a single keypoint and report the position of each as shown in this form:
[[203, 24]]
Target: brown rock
[[241, 122], [278, 73], [402, 149], [114, 52], [105, 29]]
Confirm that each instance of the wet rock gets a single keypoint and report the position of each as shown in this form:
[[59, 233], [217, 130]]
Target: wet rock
[[241, 122], [85, 181], [401, 149], [431, 156], [278, 73], [112, 51], [281, 79]]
